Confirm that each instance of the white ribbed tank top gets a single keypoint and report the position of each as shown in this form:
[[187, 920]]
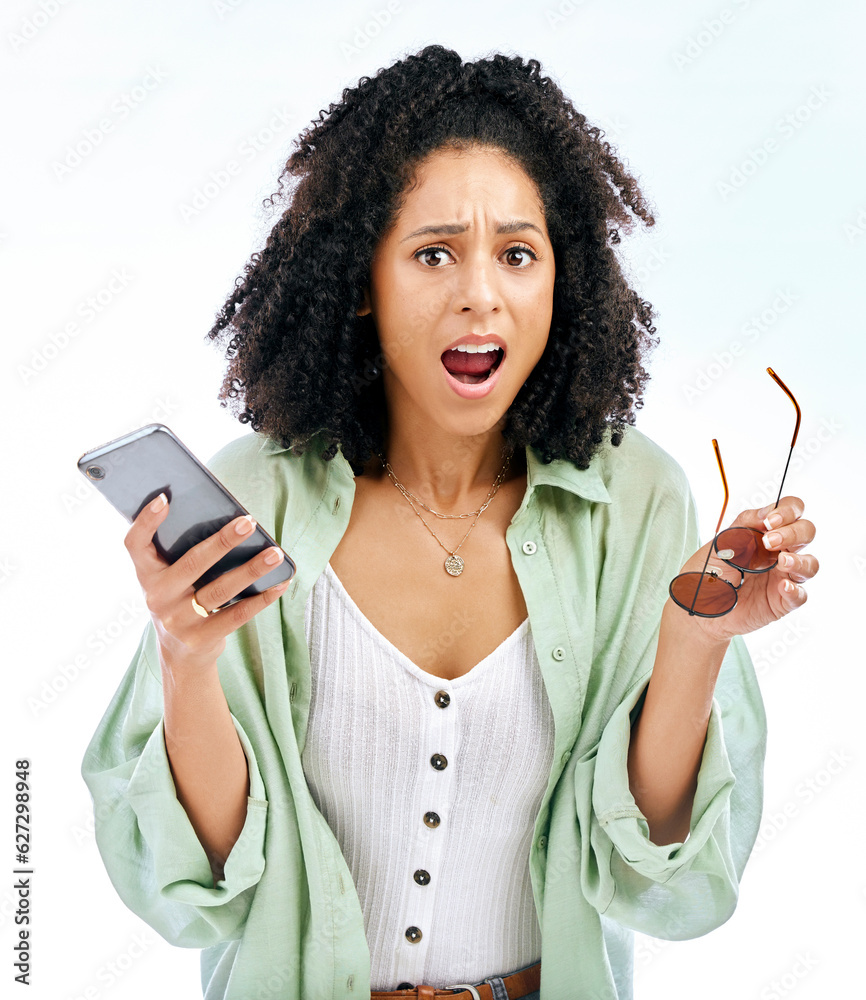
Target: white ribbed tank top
[[439, 848]]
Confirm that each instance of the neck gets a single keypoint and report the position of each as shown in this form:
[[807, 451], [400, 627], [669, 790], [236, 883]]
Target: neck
[[452, 474]]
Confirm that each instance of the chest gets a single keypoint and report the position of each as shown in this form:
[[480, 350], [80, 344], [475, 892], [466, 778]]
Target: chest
[[393, 569]]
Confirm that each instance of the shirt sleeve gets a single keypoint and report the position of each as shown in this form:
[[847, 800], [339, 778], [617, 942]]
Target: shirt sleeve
[[148, 845], [676, 890], [683, 889]]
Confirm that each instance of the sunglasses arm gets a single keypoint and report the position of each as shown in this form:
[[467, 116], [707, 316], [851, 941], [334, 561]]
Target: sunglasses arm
[[790, 396], [785, 473], [703, 574], [721, 516]]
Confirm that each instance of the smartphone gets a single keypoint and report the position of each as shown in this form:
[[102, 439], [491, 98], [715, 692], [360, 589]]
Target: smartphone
[[134, 469]]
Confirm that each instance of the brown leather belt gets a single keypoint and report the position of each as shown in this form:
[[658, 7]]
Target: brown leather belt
[[516, 985]]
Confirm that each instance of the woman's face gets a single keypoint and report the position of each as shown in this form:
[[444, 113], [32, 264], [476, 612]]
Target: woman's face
[[481, 272]]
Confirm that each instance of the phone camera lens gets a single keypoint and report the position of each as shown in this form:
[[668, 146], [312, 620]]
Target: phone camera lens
[[95, 472]]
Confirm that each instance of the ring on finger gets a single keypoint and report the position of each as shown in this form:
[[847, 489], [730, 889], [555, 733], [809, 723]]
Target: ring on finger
[[199, 610]]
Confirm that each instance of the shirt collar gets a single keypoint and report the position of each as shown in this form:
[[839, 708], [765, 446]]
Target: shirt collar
[[270, 446], [586, 483]]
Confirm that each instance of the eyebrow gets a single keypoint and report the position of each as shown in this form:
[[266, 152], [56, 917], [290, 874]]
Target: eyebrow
[[454, 228]]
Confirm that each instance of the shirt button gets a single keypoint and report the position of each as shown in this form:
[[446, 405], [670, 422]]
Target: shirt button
[[421, 877], [439, 762], [529, 548], [442, 699], [559, 653], [413, 934], [566, 756], [542, 843], [432, 820]]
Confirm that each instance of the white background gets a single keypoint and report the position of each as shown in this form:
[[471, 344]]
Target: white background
[[758, 218]]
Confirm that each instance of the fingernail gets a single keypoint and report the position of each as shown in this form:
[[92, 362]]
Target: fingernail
[[772, 539], [773, 521], [245, 525], [159, 503], [786, 560], [790, 587], [273, 555]]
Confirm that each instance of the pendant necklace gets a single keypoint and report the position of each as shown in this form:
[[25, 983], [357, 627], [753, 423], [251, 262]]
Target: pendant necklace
[[453, 564]]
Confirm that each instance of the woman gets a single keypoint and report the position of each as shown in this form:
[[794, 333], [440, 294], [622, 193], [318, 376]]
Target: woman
[[471, 733]]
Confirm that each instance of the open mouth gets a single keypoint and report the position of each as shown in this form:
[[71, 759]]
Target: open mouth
[[472, 368]]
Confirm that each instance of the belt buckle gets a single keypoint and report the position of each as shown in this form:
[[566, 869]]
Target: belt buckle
[[465, 986]]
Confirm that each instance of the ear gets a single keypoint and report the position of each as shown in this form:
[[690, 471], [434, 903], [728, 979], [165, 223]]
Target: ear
[[364, 308]]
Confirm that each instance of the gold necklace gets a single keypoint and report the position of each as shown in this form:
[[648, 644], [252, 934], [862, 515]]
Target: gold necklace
[[453, 564]]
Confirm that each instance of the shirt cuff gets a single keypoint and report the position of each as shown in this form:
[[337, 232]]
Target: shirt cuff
[[624, 823], [180, 864]]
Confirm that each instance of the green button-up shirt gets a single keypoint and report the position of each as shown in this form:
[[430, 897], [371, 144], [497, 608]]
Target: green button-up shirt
[[594, 551]]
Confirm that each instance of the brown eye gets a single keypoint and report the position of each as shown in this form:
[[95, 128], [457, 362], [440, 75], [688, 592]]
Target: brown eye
[[429, 250], [524, 250]]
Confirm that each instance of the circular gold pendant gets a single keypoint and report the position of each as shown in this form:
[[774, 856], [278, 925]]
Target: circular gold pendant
[[454, 565]]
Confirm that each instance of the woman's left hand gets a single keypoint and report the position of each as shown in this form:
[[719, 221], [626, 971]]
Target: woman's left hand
[[763, 597]]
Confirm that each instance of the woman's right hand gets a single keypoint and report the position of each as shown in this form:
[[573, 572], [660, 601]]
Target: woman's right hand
[[186, 639]]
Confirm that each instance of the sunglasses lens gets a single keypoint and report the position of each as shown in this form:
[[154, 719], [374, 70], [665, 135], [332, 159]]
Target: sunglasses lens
[[715, 596], [748, 549]]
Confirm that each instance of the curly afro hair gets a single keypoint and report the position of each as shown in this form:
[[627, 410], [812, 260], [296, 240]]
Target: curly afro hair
[[302, 363]]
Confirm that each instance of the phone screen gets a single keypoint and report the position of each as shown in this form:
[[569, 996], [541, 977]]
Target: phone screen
[[134, 469]]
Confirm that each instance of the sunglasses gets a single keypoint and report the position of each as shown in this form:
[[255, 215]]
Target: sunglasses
[[707, 593]]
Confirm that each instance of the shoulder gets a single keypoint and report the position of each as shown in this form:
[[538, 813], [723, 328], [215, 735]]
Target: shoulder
[[627, 486], [643, 481], [651, 509], [639, 464], [647, 486], [244, 466], [242, 452], [256, 469]]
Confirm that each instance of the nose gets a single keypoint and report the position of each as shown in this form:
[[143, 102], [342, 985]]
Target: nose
[[477, 285]]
